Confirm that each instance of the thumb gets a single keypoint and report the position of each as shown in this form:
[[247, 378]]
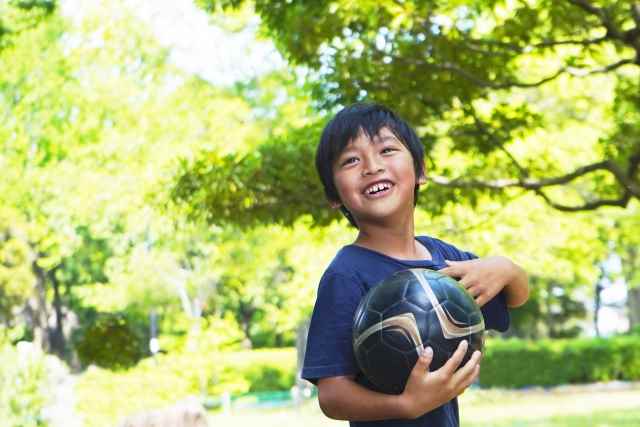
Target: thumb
[[449, 262], [422, 365]]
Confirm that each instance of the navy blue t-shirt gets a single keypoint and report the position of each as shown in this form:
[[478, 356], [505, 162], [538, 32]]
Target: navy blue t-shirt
[[354, 271]]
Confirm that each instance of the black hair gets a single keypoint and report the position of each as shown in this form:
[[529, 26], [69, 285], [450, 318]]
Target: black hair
[[346, 126]]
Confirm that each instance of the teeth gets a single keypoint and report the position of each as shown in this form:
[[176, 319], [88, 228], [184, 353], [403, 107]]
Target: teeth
[[378, 187]]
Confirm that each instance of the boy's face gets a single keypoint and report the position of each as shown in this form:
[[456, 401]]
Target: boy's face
[[375, 178]]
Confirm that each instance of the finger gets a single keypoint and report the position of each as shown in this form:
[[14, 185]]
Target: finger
[[472, 378], [466, 281], [423, 362], [454, 361], [481, 300], [465, 374], [473, 291], [453, 269], [450, 271]]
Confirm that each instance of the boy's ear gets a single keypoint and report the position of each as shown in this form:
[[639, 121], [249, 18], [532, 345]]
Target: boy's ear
[[335, 204], [422, 179]]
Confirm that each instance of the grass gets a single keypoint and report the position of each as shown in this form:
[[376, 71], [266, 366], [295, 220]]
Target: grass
[[630, 418], [597, 405], [600, 405]]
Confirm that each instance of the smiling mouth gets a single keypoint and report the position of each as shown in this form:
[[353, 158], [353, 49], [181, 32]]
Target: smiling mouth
[[378, 188]]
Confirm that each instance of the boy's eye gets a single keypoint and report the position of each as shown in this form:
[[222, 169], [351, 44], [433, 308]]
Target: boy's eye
[[388, 150], [349, 160]]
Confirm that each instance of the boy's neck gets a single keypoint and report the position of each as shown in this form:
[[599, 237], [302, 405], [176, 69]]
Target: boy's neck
[[396, 241]]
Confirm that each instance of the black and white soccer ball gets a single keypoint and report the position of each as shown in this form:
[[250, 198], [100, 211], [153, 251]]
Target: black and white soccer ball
[[410, 310]]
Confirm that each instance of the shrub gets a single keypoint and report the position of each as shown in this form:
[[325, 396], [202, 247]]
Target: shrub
[[263, 370], [110, 341], [23, 385], [519, 363]]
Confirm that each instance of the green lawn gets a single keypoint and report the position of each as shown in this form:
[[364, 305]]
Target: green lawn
[[630, 418], [592, 406]]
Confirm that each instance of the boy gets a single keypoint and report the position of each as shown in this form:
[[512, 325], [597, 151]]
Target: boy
[[371, 165]]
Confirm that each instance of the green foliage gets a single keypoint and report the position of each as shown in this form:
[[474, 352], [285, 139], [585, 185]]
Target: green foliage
[[17, 16], [502, 93], [23, 385], [518, 363], [286, 155], [635, 330], [264, 370], [16, 277], [253, 277], [168, 378], [552, 311], [562, 310], [110, 341]]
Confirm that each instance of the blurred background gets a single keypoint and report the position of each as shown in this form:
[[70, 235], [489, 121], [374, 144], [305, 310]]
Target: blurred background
[[163, 231]]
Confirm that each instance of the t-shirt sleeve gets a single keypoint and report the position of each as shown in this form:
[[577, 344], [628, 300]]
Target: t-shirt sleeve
[[329, 350], [495, 312]]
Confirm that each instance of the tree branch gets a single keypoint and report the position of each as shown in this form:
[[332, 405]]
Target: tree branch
[[447, 66], [602, 15], [635, 13], [605, 69], [632, 36], [575, 72], [527, 184], [622, 202], [483, 127], [530, 47], [633, 170], [631, 188], [588, 7]]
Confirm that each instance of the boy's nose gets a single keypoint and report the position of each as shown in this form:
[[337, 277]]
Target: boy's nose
[[371, 166]]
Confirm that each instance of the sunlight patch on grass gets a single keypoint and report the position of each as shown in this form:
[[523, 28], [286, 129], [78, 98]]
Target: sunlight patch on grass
[[567, 406]]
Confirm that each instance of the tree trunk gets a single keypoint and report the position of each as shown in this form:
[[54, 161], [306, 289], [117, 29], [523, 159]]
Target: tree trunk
[[246, 314], [633, 304], [550, 322], [58, 344], [39, 313]]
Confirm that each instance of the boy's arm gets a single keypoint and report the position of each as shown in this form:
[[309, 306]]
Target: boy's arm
[[343, 399], [484, 278]]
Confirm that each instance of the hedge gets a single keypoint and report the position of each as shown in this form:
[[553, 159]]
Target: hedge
[[105, 396], [512, 363], [264, 370], [516, 363]]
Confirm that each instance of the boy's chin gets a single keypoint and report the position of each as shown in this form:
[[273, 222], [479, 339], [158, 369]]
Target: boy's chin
[[381, 218]]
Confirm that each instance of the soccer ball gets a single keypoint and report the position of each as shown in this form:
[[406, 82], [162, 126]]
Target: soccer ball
[[403, 314]]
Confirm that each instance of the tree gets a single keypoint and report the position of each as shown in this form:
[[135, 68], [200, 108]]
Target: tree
[[94, 117], [626, 245], [85, 121], [17, 16], [16, 276], [507, 96]]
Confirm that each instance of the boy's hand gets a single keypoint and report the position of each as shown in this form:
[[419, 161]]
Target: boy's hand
[[483, 278], [426, 390]]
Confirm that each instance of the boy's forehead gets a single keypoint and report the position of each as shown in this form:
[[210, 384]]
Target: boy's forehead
[[383, 133]]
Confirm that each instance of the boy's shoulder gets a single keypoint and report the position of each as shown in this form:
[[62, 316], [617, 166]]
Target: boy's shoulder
[[352, 259], [348, 261], [445, 249]]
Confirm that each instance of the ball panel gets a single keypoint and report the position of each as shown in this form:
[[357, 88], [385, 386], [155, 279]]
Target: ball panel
[[394, 377], [393, 291], [409, 310]]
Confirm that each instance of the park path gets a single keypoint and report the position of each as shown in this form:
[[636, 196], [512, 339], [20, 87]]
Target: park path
[[60, 412]]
